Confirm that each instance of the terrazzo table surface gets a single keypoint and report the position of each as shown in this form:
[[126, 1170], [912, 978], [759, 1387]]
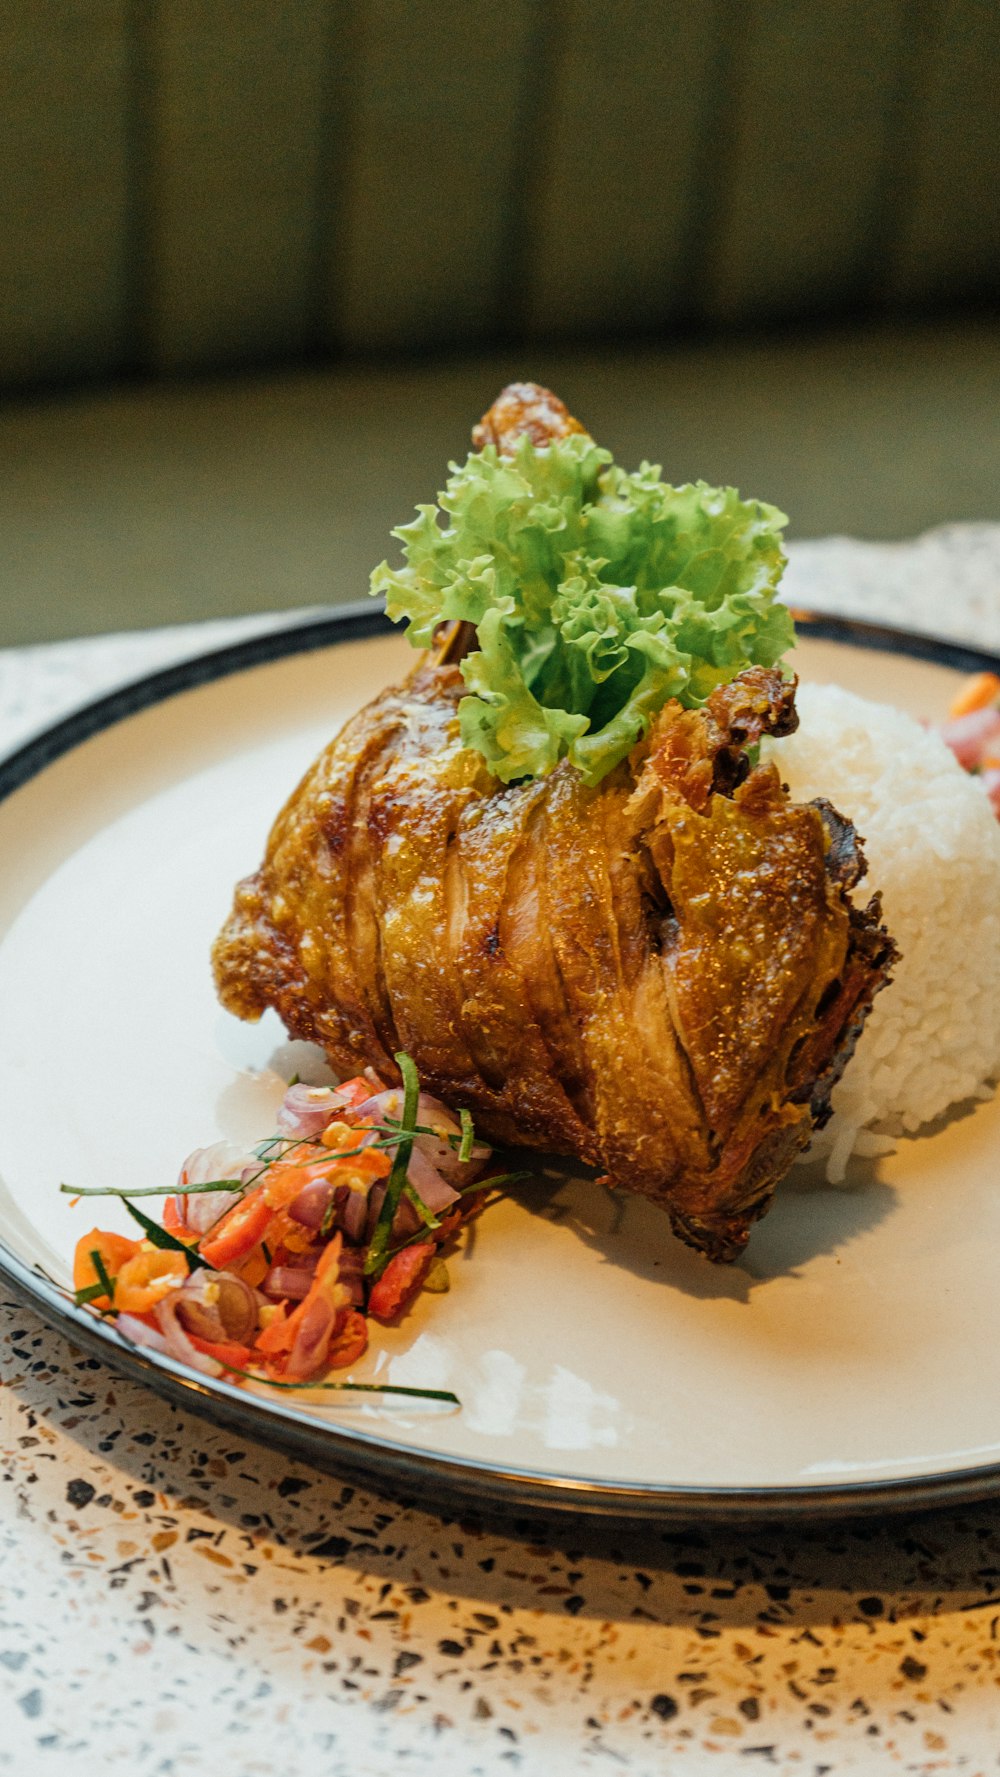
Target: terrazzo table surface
[[173, 1601]]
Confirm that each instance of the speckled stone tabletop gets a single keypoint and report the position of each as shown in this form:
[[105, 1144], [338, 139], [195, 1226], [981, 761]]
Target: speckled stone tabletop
[[173, 1601]]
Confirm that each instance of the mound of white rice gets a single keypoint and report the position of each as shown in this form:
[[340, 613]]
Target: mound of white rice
[[933, 848]]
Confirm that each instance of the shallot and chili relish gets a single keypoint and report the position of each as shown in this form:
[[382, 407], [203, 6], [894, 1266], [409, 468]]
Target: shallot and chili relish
[[972, 731], [275, 1269]]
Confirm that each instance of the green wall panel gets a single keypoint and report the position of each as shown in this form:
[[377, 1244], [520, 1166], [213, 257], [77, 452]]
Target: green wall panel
[[802, 177], [237, 112], [949, 240], [189, 184], [620, 158], [433, 171], [64, 249]]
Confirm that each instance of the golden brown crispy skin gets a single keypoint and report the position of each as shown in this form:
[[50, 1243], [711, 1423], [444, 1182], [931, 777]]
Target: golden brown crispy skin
[[655, 976], [662, 976]]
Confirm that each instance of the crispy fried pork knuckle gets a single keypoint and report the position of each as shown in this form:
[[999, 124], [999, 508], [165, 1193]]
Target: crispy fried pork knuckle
[[662, 977]]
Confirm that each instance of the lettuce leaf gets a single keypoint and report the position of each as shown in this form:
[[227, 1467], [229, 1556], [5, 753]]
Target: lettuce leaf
[[596, 596]]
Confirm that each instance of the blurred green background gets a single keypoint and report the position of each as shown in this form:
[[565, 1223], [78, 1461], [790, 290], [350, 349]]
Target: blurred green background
[[262, 265]]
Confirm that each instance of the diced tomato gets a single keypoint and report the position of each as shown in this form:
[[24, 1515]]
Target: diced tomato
[[354, 1092], [401, 1280], [288, 1235], [224, 1351], [244, 1226], [369, 1164], [471, 1206], [253, 1269], [972, 735], [241, 1229], [149, 1275], [351, 1342], [278, 1335], [174, 1225], [114, 1250]]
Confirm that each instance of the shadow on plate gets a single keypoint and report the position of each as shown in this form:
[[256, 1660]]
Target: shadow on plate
[[807, 1218]]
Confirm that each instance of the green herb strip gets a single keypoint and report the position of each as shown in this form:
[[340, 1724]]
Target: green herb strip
[[468, 1136], [90, 1294], [217, 1184], [377, 1256], [107, 1283], [487, 1184], [427, 1216], [422, 1394], [158, 1236], [494, 1182]]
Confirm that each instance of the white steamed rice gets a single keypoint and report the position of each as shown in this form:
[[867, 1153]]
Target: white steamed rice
[[933, 848]]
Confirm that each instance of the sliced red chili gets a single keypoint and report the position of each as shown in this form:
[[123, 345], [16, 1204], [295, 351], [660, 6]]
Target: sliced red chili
[[401, 1280]]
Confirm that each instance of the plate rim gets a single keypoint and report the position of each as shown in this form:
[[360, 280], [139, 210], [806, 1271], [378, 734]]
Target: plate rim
[[437, 1480]]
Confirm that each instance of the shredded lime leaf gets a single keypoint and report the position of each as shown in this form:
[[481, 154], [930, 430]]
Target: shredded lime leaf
[[216, 1184], [158, 1236], [422, 1394], [494, 1183], [378, 1256], [90, 1294], [596, 596], [427, 1216], [107, 1283]]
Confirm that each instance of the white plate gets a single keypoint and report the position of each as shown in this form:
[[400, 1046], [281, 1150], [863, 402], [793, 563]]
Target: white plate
[[851, 1358]]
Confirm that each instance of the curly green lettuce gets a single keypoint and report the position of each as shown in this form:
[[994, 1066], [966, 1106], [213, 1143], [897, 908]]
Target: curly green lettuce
[[596, 596]]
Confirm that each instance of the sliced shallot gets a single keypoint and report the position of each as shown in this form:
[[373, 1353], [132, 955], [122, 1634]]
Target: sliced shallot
[[306, 1110], [428, 1182], [200, 1210], [310, 1207], [440, 1151], [176, 1340], [292, 1282], [352, 1215], [139, 1333], [216, 1305]]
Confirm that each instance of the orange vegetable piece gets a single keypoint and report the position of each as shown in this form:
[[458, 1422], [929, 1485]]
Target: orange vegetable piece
[[278, 1335], [371, 1163], [351, 1342], [354, 1092], [326, 1287], [253, 1269], [224, 1351], [401, 1279], [173, 1224], [977, 693], [241, 1229], [148, 1276], [245, 1225], [114, 1250]]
